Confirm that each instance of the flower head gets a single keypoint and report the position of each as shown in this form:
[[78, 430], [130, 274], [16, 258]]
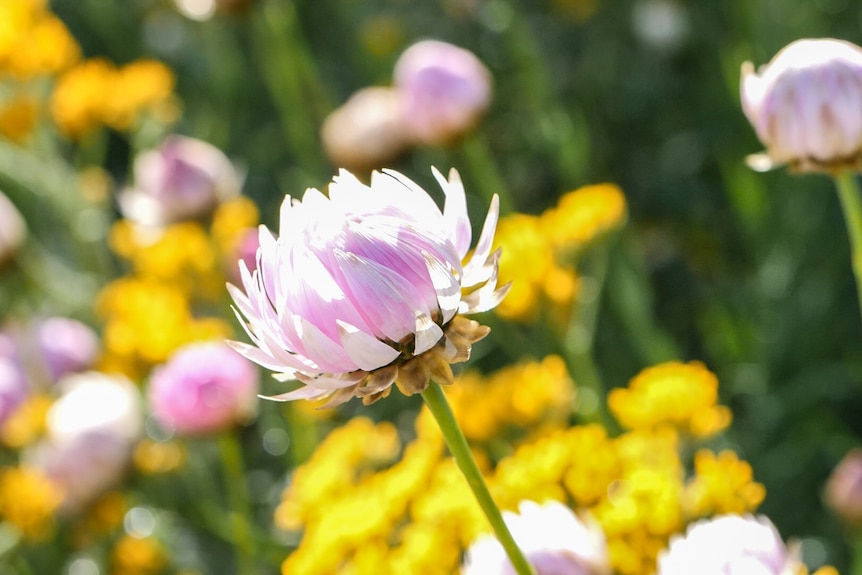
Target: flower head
[[729, 545], [843, 492], [363, 288], [553, 539], [91, 429], [203, 388], [806, 105], [183, 179], [446, 89]]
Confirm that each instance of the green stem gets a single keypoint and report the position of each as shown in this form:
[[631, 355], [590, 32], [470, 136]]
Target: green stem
[[435, 399], [856, 554], [848, 193], [240, 511], [577, 340]]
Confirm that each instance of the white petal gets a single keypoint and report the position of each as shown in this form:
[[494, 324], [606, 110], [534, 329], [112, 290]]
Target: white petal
[[329, 355], [445, 284], [428, 334], [455, 211], [483, 247], [364, 349]]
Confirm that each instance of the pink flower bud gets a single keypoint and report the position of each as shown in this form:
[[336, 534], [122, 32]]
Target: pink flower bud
[[729, 545], [844, 489], [203, 388], [552, 538], [183, 179], [362, 288], [446, 90], [806, 105], [66, 345], [91, 430], [12, 230]]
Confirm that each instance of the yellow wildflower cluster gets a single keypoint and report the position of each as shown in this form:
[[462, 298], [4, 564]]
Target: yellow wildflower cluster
[[682, 395], [33, 41], [27, 422], [418, 515], [540, 250], [151, 312], [28, 501], [138, 556], [96, 92]]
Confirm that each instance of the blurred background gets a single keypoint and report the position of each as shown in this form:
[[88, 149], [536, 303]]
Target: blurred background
[[747, 272]]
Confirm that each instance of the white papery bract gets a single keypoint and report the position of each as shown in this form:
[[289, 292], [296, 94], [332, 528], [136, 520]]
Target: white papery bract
[[364, 288], [806, 105]]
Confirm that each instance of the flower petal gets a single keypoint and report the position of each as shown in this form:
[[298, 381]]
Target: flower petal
[[365, 350]]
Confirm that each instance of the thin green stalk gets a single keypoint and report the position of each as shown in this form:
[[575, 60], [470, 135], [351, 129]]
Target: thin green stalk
[[856, 551], [237, 494], [435, 399], [577, 340], [848, 193]]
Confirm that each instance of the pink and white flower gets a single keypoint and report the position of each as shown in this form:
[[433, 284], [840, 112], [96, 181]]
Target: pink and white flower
[[445, 91], [205, 387], [364, 288], [729, 545], [183, 179], [554, 541], [806, 105]]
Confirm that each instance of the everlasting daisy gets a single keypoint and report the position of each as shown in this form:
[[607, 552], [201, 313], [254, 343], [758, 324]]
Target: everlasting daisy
[[366, 288]]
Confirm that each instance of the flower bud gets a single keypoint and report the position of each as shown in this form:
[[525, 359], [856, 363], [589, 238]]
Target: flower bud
[[553, 539], [91, 430], [729, 544], [446, 90], [844, 489], [366, 131], [12, 230], [183, 179], [203, 388], [806, 105]]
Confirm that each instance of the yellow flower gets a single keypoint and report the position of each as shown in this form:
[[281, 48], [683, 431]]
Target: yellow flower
[[29, 500], [231, 219], [154, 457], [722, 484], [584, 214], [134, 556], [27, 422], [33, 41], [677, 394], [18, 117], [138, 87], [79, 96]]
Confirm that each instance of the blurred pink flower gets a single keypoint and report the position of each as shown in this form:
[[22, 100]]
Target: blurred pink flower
[[12, 230], [362, 289], [13, 381], [729, 545], [445, 91], [203, 388], [553, 540], [806, 105], [183, 179], [91, 431], [843, 492], [66, 345]]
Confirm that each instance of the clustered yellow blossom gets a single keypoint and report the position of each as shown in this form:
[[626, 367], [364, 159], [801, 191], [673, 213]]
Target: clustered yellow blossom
[[96, 92], [138, 556], [27, 422], [18, 116], [33, 41], [541, 250], [682, 395], [28, 501], [360, 514], [175, 272]]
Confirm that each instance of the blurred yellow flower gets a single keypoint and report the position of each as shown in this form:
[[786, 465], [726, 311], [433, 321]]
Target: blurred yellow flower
[[585, 214], [154, 457], [29, 500], [18, 116], [95, 92], [27, 422], [138, 556], [721, 484], [678, 394], [231, 220], [33, 41]]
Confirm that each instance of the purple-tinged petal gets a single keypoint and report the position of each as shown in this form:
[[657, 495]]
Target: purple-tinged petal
[[364, 349]]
